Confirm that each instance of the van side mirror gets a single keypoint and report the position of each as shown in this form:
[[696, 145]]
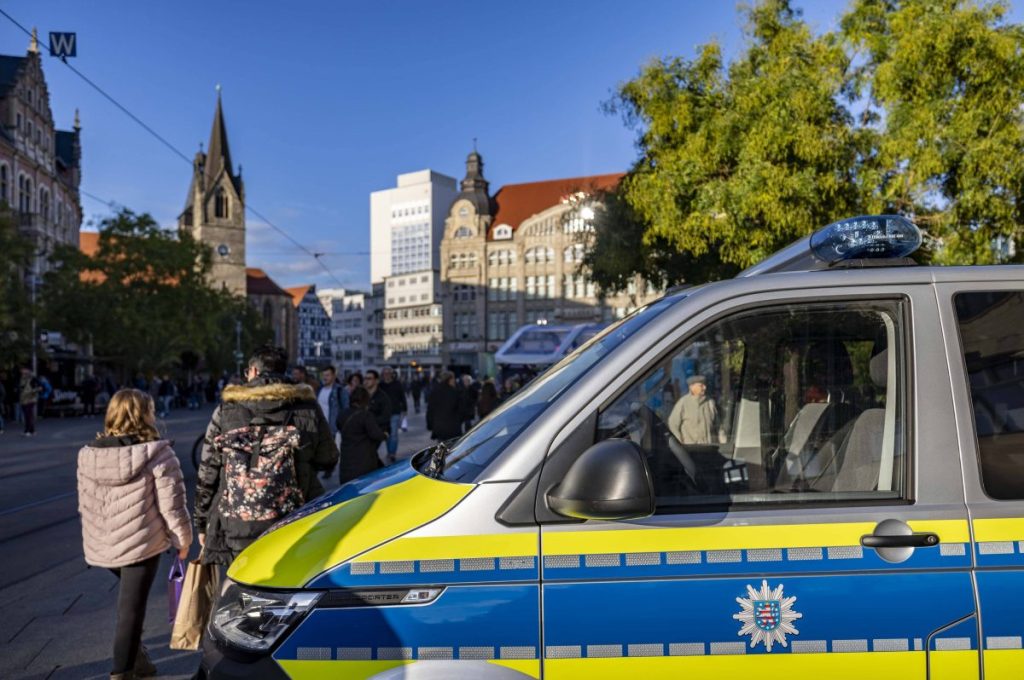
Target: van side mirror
[[610, 480]]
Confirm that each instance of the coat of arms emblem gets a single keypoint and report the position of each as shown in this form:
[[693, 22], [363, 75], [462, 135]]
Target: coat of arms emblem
[[767, 616]]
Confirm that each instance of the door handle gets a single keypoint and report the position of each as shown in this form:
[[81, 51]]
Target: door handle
[[922, 539]]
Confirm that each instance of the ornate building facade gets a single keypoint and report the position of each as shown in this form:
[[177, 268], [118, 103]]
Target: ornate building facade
[[215, 208], [40, 166], [515, 258]]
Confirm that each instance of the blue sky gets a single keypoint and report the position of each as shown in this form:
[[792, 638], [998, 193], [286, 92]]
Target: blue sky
[[328, 101]]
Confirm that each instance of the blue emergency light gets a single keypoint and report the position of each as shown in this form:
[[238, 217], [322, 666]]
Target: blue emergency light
[[867, 237]]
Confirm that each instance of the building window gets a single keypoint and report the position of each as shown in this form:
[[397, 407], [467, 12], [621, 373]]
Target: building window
[[44, 204], [574, 253], [3, 184], [540, 255], [500, 325], [463, 232], [220, 208], [501, 257], [503, 232]]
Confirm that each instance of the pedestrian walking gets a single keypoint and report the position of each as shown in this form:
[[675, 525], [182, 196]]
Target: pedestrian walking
[[332, 397], [237, 499], [395, 390], [28, 394], [165, 394], [417, 392], [444, 412], [380, 404], [131, 496], [694, 418], [90, 386], [488, 400], [469, 392], [360, 438]]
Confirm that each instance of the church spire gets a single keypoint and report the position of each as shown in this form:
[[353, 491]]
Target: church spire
[[218, 156]]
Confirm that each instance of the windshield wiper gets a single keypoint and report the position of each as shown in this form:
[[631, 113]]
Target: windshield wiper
[[435, 463]]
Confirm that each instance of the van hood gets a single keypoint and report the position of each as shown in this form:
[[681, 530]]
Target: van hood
[[343, 524]]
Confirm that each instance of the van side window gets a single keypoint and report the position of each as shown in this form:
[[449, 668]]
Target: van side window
[[992, 341], [784, 404]]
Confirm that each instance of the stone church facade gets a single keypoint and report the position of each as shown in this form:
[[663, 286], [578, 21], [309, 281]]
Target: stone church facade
[[215, 208], [214, 214]]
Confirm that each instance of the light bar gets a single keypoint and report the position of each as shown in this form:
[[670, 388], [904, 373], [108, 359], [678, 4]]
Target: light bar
[[875, 237]]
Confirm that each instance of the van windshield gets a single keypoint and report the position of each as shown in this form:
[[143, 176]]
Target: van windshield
[[475, 450]]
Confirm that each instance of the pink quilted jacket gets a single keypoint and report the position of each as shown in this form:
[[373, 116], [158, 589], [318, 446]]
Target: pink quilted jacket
[[132, 501]]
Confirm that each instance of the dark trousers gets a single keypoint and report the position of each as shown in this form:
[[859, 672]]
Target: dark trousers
[[136, 580], [29, 411]]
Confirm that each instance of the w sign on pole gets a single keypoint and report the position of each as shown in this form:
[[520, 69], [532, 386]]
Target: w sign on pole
[[63, 45]]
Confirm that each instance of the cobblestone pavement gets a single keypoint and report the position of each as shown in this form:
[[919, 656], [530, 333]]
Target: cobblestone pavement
[[56, 613]]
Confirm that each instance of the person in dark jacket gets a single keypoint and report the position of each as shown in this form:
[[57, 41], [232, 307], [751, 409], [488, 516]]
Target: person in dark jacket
[[393, 387], [269, 398], [360, 438], [416, 389], [488, 400], [380, 403], [444, 412]]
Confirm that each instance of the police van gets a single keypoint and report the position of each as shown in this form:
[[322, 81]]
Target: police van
[[839, 495]]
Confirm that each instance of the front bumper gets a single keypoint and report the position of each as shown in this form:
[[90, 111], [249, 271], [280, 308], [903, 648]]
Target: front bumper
[[220, 663]]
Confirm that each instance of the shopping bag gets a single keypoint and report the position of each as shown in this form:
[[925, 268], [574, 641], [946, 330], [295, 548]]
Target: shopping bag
[[175, 580], [405, 424], [198, 596]]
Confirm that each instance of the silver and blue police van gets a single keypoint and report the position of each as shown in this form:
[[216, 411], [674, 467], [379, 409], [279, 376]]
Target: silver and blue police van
[[813, 470]]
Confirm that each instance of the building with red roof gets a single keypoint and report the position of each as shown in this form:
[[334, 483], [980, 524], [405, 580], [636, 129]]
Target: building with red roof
[[516, 258]]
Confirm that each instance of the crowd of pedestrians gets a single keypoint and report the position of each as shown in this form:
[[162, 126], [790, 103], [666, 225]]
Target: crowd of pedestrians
[[269, 441]]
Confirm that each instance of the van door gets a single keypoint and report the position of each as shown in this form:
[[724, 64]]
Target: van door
[[810, 518], [984, 325]]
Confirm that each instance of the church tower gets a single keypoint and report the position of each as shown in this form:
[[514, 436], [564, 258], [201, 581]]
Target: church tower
[[215, 208]]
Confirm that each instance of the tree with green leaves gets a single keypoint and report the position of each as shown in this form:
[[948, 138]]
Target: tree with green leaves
[[15, 298], [943, 81], [736, 160], [143, 301], [739, 159]]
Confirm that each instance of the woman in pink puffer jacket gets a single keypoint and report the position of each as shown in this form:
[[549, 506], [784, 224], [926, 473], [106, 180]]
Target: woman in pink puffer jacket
[[131, 496]]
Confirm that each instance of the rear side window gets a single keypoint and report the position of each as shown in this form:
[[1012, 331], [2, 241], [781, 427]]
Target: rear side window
[[992, 339]]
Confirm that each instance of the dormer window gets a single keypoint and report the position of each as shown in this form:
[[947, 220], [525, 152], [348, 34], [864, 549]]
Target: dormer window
[[502, 232], [220, 205]]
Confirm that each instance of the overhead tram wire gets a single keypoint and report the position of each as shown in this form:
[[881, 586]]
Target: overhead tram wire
[[176, 151]]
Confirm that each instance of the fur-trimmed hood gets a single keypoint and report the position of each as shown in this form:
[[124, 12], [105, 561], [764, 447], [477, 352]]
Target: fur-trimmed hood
[[278, 391]]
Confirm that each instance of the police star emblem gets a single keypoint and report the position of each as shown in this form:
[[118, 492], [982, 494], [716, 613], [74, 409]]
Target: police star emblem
[[767, 616]]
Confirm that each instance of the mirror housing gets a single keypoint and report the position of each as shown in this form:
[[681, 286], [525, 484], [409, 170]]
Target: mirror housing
[[610, 480]]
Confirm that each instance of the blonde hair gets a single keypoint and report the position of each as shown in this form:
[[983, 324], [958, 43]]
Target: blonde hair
[[127, 415]]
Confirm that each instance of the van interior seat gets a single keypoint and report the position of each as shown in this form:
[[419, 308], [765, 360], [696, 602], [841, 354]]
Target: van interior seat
[[830, 368], [856, 464]]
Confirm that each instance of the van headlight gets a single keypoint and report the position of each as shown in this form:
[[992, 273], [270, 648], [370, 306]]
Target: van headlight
[[254, 620]]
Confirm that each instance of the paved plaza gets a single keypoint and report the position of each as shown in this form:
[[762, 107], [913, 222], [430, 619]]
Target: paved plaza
[[58, 613]]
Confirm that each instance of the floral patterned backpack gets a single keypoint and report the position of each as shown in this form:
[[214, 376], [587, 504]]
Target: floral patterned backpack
[[258, 466]]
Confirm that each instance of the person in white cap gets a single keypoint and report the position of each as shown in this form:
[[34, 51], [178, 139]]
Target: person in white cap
[[694, 418]]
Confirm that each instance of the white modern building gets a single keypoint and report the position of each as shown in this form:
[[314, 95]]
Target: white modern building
[[350, 328], [407, 224], [413, 321], [406, 228]]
